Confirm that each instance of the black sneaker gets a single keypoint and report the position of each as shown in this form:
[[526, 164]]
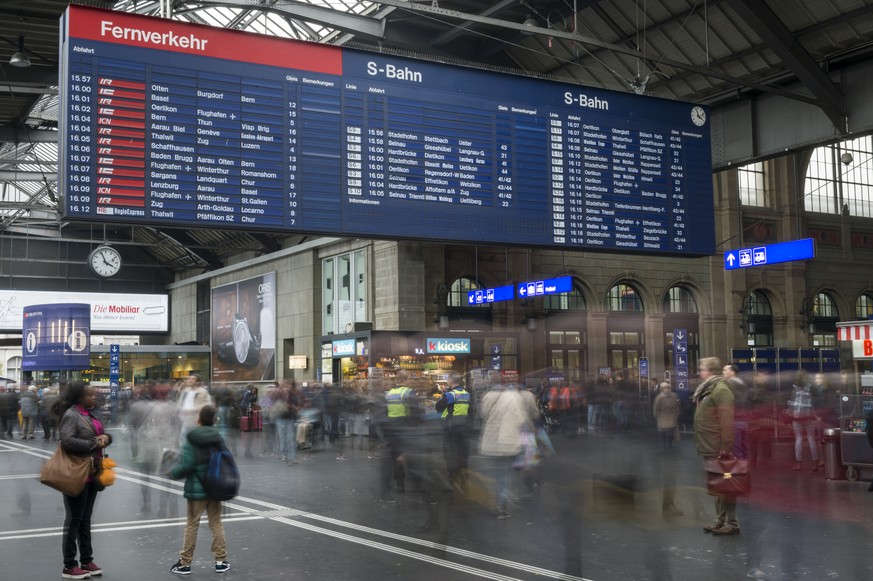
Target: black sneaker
[[180, 569], [221, 566]]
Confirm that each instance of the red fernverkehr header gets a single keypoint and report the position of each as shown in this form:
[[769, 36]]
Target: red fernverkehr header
[[174, 36]]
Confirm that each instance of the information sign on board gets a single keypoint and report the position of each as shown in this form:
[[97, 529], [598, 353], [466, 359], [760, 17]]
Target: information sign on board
[[56, 337], [172, 123]]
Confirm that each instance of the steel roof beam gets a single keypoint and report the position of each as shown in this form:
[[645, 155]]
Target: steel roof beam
[[191, 246], [591, 41], [773, 31], [363, 25], [25, 135]]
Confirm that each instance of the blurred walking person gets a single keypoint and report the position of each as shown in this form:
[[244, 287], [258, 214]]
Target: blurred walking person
[[454, 405], [505, 414]]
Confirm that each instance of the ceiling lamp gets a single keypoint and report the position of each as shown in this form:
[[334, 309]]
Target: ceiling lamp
[[20, 58]]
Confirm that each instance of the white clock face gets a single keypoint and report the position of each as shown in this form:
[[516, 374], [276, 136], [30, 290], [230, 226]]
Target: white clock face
[[105, 261], [698, 116]]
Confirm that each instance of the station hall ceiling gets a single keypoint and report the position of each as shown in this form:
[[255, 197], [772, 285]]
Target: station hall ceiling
[[712, 52]]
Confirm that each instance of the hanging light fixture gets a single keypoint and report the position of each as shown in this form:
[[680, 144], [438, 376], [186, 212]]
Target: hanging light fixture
[[20, 58]]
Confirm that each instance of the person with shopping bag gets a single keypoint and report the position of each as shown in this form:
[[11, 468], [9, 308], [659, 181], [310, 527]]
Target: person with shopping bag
[[81, 434], [714, 437]]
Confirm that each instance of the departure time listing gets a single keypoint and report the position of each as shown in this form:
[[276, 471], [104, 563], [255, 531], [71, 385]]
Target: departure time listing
[[315, 152]]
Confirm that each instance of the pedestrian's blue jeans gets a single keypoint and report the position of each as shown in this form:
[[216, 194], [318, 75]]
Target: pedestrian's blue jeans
[[286, 438], [503, 479], [799, 426]]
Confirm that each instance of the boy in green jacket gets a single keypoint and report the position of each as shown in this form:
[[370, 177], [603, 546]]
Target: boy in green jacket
[[192, 466]]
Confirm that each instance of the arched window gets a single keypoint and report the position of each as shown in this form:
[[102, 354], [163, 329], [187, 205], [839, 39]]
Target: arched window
[[679, 300], [624, 298], [841, 176], [824, 306], [759, 319], [823, 323], [864, 307], [458, 293], [571, 301]]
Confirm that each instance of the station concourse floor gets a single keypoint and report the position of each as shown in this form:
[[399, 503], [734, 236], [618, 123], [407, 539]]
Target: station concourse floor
[[596, 516]]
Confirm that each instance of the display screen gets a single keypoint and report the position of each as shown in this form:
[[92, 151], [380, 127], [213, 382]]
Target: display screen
[[170, 123]]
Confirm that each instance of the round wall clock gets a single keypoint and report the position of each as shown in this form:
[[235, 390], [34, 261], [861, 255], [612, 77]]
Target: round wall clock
[[104, 261]]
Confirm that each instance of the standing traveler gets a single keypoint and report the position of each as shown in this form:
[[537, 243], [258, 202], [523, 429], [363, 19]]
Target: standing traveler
[[29, 412], [714, 436], [402, 410], [81, 433], [742, 410], [454, 405], [285, 411], [8, 412], [192, 398], [666, 412], [803, 419], [48, 413], [192, 466]]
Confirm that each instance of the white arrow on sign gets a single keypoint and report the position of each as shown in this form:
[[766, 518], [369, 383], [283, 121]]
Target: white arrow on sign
[[731, 259], [680, 335]]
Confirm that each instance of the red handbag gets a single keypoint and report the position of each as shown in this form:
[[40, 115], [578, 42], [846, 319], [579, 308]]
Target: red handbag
[[728, 476]]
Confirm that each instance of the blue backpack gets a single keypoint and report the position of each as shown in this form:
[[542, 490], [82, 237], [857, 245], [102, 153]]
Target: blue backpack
[[222, 475]]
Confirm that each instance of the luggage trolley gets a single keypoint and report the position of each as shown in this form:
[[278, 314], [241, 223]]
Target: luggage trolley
[[856, 452]]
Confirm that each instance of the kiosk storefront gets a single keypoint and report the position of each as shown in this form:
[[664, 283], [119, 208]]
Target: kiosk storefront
[[365, 357]]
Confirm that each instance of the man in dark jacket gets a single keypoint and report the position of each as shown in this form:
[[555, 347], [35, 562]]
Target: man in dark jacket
[[714, 436], [8, 412], [192, 466]]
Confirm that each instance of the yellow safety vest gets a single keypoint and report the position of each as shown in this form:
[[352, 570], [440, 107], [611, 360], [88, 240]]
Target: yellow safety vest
[[396, 401], [459, 399]]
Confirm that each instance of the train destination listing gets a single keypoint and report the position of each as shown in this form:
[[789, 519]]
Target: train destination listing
[[350, 144]]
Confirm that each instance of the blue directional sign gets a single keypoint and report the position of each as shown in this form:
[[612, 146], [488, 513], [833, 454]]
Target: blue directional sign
[[551, 286], [680, 358], [491, 295], [644, 367], [770, 254]]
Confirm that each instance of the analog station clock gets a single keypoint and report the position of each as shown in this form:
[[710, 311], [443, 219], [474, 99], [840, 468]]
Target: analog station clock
[[698, 116], [104, 261]]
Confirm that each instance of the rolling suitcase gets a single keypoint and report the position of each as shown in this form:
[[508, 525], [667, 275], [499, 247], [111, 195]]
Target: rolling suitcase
[[257, 421], [245, 424]]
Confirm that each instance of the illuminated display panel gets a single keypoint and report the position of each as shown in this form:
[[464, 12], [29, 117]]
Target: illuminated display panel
[[170, 123]]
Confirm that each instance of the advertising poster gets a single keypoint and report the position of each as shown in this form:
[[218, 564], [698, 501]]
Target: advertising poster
[[244, 330], [110, 312]]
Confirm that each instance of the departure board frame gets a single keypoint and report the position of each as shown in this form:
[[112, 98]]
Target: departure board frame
[[175, 124]]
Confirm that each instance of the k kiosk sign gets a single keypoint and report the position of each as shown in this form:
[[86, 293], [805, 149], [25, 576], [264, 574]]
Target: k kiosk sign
[[447, 346]]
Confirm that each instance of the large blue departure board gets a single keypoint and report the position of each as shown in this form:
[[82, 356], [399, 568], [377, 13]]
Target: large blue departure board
[[170, 123]]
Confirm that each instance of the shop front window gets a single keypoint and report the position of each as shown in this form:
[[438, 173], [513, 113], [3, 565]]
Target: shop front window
[[344, 291]]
